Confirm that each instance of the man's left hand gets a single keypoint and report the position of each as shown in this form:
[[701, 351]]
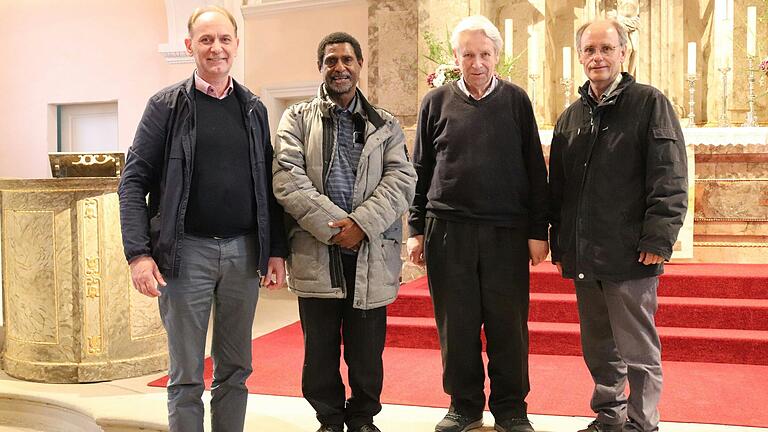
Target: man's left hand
[[649, 258], [537, 250], [275, 277], [350, 235]]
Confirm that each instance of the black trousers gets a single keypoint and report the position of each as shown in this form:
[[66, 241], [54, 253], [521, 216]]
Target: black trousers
[[478, 277], [326, 323]]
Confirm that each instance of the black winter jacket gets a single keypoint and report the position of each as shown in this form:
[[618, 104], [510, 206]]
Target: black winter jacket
[[160, 162], [618, 178]]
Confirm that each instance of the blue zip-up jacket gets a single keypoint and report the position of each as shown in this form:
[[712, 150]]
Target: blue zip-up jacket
[[160, 163]]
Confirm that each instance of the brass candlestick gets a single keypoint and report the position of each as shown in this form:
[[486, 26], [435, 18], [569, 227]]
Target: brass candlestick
[[751, 120], [722, 121], [566, 83], [691, 100]]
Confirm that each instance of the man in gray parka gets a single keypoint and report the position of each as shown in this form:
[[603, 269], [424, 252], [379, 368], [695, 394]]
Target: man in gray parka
[[342, 174]]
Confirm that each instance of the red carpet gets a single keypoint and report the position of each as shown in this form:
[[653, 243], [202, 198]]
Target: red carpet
[[713, 321], [560, 385], [707, 313]]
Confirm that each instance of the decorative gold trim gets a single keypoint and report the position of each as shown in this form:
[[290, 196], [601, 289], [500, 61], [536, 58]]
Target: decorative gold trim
[[731, 244], [93, 159], [90, 231], [9, 334], [729, 219]]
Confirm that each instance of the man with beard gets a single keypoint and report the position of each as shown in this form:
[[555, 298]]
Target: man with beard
[[342, 173]]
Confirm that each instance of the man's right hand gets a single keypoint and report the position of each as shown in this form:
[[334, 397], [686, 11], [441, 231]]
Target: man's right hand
[[146, 276], [415, 246]]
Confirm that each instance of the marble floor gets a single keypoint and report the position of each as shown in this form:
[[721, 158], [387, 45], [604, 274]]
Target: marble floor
[[130, 405]]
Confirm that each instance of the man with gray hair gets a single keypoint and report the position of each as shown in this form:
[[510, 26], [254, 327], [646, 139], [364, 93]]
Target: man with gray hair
[[619, 195], [479, 216], [211, 231]]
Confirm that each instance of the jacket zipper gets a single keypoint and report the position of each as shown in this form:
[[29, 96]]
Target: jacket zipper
[[182, 209], [594, 128], [267, 164], [334, 251]]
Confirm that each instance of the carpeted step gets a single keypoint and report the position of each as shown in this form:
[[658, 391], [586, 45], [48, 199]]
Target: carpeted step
[[678, 344], [719, 313], [679, 280]]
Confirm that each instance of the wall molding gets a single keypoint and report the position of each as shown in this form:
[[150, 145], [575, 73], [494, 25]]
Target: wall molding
[[259, 8], [272, 96], [175, 55]]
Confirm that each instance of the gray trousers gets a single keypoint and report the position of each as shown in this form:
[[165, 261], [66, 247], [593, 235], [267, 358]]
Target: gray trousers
[[620, 344], [223, 274]]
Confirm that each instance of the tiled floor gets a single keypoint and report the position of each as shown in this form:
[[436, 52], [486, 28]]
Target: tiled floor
[[130, 402]]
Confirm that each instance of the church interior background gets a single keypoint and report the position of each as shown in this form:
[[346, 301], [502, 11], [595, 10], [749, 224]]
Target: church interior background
[[705, 55]]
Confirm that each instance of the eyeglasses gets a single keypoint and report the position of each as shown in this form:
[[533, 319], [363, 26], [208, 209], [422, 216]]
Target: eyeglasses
[[605, 51]]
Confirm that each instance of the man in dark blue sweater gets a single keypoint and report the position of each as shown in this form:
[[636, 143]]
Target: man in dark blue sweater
[[479, 216], [211, 231]]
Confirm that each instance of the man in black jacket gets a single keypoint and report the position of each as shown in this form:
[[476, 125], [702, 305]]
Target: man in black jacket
[[211, 232], [618, 176], [479, 216]]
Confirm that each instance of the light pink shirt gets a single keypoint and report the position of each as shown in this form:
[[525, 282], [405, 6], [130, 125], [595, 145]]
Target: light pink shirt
[[208, 89]]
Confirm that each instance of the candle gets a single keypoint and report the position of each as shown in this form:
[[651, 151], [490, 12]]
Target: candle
[[721, 10], [566, 62], [508, 39], [533, 52], [691, 58], [723, 34], [752, 31]]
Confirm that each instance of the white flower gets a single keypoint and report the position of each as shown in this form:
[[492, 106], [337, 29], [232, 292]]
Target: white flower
[[439, 78]]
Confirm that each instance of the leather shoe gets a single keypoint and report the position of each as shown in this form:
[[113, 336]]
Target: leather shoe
[[514, 425], [455, 422], [366, 428], [598, 426], [331, 428]]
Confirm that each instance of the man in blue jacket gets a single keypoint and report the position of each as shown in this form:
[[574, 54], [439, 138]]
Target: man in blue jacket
[[211, 231]]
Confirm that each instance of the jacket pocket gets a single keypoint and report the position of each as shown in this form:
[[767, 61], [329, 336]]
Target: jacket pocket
[[383, 272], [304, 257], [393, 263]]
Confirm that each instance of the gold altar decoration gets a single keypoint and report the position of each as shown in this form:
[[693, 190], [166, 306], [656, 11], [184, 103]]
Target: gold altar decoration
[[73, 164], [71, 314]]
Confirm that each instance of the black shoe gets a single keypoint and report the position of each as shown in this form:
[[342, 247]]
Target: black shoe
[[598, 426], [366, 428], [331, 428], [631, 426], [455, 422], [514, 425]]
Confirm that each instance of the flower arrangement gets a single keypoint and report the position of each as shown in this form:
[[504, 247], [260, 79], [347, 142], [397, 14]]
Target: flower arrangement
[[444, 73]]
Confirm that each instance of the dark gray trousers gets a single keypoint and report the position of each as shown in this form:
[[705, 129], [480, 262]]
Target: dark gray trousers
[[221, 274], [478, 278], [620, 344]]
